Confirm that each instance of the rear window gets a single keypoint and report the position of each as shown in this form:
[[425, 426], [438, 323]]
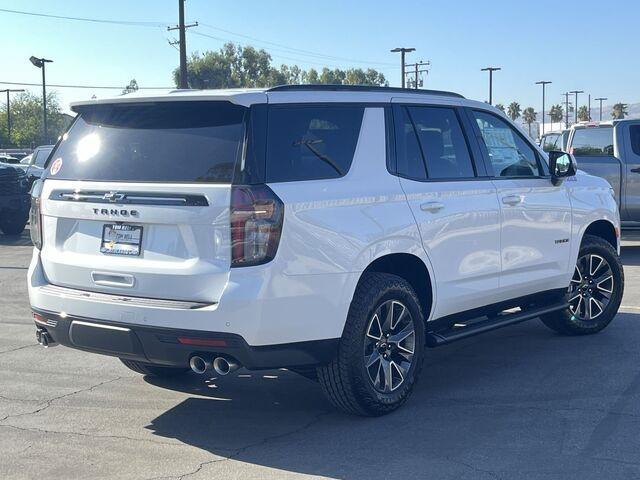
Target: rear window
[[551, 142], [593, 141], [153, 142], [311, 142], [41, 156]]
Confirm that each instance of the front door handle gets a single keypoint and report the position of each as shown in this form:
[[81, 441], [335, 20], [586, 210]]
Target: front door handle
[[635, 170], [432, 207], [512, 199]]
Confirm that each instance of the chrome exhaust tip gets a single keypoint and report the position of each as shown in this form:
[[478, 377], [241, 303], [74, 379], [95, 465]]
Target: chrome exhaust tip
[[224, 366], [44, 338], [199, 365]]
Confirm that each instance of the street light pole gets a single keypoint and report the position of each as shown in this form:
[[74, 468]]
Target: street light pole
[[544, 84], [402, 51], [8, 91], [575, 107], [490, 70], [601, 99], [40, 63]]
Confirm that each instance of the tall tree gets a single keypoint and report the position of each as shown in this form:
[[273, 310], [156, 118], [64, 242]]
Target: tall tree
[[529, 116], [619, 111], [500, 107], [235, 66], [514, 111], [583, 114], [556, 114], [26, 119]]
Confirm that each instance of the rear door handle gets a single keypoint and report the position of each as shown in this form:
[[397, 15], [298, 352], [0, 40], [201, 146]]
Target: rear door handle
[[635, 170], [432, 207], [512, 199]]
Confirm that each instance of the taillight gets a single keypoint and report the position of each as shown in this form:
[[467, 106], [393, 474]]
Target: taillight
[[256, 224], [35, 217]]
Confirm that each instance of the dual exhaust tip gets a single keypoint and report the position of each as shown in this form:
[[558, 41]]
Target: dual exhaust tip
[[221, 365], [44, 338]]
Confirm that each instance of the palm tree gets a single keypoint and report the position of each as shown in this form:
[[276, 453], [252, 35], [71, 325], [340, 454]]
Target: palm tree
[[500, 107], [556, 113], [619, 111], [529, 116], [514, 111], [583, 114]]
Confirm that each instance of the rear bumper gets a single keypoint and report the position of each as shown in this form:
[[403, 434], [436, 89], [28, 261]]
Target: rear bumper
[[174, 347]]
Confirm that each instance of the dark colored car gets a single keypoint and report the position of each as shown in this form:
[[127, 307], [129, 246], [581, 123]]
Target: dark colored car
[[14, 199]]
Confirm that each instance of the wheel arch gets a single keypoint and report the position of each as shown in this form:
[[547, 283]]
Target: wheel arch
[[603, 229], [411, 268]]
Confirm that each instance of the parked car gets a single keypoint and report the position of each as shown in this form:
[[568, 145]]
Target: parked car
[[14, 199], [335, 231], [9, 159], [35, 168], [554, 141], [612, 150]]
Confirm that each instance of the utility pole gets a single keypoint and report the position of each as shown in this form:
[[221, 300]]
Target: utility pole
[[183, 43], [418, 71], [544, 83], [576, 92], [490, 70], [589, 107], [402, 51], [40, 63], [601, 99], [566, 109], [8, 91]]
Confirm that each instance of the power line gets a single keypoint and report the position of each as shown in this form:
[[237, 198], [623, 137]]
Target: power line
[[299, 60], [105, 87], [292, 49], [85, 19]]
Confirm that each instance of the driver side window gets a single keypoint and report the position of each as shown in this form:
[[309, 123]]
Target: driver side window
[[509, 154]]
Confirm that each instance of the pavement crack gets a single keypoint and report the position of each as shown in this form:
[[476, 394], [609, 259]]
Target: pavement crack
[[474, 468], [19, 348], [49, 402], [239, 451]]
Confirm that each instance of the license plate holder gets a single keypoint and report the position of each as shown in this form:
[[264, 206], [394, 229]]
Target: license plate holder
[[121, 239]]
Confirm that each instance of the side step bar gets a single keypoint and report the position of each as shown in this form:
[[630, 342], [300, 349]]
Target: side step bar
[[443, 337]]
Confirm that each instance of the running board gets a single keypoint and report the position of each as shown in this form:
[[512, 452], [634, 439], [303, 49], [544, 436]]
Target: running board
[[443, 337]]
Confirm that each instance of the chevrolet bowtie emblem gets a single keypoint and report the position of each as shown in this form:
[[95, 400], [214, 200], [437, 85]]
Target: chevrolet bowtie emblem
[[114, 197]]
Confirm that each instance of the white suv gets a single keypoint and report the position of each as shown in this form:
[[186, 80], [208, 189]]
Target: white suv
[[335, 231]]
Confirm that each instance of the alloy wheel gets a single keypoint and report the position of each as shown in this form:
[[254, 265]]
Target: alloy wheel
[[389, 346], [591, 287]]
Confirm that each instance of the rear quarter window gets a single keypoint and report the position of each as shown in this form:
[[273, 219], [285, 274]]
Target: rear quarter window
[[311, 142], [634, 132], [593, 141]]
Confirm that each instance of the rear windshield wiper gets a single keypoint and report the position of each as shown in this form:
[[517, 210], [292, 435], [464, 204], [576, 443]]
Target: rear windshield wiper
[[310, 145]]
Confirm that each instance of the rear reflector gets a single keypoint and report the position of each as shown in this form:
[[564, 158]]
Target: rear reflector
[[203, 342]]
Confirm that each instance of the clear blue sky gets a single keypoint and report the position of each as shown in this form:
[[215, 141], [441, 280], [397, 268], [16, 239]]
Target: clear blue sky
[[586, 45]]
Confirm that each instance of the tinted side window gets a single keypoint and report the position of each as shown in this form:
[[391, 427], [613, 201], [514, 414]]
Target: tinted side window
[[510, 155], [408, 154], [593, 141], [41, 157], [634, 131], [443, 144], [311, 142]]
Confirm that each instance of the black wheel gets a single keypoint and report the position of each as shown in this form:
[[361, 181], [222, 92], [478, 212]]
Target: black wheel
[[595, 291], [155, 370], [13, 223], [381, 350]]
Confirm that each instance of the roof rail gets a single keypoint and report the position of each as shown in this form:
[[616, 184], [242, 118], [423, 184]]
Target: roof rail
[[359, 88]]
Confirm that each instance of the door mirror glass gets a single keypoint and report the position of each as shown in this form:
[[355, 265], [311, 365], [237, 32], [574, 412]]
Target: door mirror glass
[[561, 165]]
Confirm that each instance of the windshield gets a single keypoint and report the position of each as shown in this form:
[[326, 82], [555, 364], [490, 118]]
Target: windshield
[[152, 142]]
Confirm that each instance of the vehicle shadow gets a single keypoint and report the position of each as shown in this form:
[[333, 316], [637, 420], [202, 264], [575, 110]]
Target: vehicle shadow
[[23, 240], [482, 405]]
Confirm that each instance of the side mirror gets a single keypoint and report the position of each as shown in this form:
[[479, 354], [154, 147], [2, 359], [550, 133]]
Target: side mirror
[[561, 165]]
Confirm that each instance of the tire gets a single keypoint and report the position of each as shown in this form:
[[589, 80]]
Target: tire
[[587, 284], [346, 381], [13, 223], [154, 370]]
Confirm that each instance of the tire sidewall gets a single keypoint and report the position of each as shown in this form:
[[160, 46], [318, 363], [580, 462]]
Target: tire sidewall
[[399, 290]]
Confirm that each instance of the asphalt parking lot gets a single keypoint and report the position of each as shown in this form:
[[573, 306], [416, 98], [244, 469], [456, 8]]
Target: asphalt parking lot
[[519, 403]]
